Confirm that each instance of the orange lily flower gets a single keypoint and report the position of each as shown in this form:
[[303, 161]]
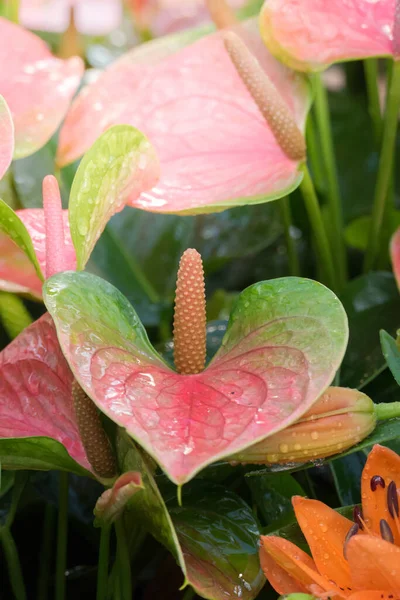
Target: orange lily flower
[[357, 560]]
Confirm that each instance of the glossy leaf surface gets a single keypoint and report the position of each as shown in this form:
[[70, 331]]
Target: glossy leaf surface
[[36, 401], [372, 299], [391, 353], [309, 35], [6, 137], [36, 86], [284, 342], [120, 165], [214, 146], [213, 536]]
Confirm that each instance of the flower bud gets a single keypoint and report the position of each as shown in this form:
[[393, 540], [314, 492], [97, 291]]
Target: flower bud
[[339, 419], [113, 501]]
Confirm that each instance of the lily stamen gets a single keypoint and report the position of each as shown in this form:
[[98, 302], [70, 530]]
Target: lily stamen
[[354, 529], [376, 481], [386, 532], [392, 499]]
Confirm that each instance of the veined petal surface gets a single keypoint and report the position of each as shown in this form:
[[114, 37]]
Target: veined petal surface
[[35, 390], [6, 137], [214, 146], [309, 35], [37, 86], [285, 340]]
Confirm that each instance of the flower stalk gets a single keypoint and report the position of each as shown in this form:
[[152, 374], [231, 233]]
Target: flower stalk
[[386, 162]]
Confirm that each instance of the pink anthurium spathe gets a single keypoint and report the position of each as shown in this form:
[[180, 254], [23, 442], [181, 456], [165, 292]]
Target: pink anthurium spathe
[[284, 342], [162, 17], [91, 17], [35, 380], [6, 137], [30, 238], [37, 87], [395, 255], [310, 35], [215, 148]]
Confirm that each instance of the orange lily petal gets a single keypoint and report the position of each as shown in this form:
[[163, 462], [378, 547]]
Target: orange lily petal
[[289, 569], [373, 563], [325, 531], [386, 463], [373, 595]]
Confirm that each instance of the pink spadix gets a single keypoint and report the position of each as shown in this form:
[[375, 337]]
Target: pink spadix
[[56, 259]]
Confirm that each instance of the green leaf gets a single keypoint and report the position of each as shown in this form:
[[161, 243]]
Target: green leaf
[[12, 226], [346, 473], [37, 453], [213, 536], [273, 495], [357, 232], [391, 354], [121, 163], [29, 173], [372, 302]]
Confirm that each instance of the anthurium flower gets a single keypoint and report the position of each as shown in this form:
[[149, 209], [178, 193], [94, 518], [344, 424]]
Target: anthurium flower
[[339, 419], [284, 342], [162, 17], [358, 560], [216, 150], [91, 17], [39, 396], [395, 255], [310, 35], [120, 164], [37, 87], [112, 502]]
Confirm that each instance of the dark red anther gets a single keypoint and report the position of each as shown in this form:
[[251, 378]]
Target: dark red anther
[[354, 529], [358, 516], [386, 532], [392, 499], [376, 481]]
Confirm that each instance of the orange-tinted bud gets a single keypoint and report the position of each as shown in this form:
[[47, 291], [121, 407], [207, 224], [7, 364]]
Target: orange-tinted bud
[[340, 418], [221, 13], [94, 438], [113, 501], [190, 315], [269, 101]]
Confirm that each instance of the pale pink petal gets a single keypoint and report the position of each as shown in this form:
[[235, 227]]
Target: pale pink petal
[[309, 35], [6, 137], [214, 146], [35, 390], [33, 219], [17, 273], [37, 87], [395, 255], [167, 16], [92, 17]]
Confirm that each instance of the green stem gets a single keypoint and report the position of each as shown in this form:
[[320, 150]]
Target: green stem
[[62, 526], [102, 570], [134, 266], [124, 571], [388, 410], [12, 10], [314, 154], [317, 224], [13, 314], [374, 107], [385, 168], [13, 564], [334, 201], [46, 553], [293, 259]]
